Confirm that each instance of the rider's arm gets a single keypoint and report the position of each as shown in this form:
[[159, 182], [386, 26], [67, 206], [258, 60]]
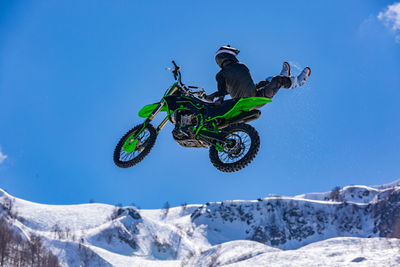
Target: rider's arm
[[221, 89], [221, 84]]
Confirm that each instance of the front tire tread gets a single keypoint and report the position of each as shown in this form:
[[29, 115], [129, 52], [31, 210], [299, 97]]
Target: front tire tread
[[151, 141]]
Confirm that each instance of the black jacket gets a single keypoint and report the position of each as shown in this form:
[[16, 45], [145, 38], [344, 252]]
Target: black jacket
[[235, 79]]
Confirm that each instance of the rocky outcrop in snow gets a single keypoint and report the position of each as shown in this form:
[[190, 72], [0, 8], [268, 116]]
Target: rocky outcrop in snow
[[290, 223]]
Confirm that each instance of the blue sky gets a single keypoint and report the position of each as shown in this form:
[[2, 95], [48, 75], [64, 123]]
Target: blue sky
[[74, 74]]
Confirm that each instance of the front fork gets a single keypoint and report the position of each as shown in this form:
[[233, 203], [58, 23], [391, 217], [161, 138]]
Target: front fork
[[152, 116], [157, 110], [162, 124], [132, 143]]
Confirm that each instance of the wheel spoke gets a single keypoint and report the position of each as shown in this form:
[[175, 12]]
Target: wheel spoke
[[125, 156], [143, 138], [135, 145]]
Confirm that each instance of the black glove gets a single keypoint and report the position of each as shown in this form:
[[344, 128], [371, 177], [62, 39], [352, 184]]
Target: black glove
[[219, 100], [209, 97]]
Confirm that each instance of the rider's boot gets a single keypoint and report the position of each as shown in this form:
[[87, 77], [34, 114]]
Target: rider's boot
[[284, 72], [301, 79], [285, 69]]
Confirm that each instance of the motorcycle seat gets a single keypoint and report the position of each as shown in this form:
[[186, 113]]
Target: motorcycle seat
[[215, 110]]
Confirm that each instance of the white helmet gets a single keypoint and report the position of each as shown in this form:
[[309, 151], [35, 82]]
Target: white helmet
[[225, 53]]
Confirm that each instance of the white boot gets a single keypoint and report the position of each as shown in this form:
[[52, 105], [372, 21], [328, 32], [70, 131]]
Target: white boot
[[285, 69], [301, 79]]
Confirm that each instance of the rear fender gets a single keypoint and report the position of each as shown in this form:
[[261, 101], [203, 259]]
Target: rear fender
[[244, 105]]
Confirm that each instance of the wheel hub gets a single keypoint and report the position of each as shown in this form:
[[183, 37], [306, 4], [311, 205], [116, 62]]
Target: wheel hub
[[234, 147], [131, 144]]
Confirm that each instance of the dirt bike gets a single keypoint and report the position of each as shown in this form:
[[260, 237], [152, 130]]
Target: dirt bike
[[222, 128]]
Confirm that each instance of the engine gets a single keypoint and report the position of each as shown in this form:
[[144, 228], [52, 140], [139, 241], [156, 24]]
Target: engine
[[183, 118], [184, 121]]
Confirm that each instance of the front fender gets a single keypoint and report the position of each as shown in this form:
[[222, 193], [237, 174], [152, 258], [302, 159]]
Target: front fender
[[148, 109]]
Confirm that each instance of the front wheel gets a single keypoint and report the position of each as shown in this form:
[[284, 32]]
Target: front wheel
[[135, 145], [242, 147]]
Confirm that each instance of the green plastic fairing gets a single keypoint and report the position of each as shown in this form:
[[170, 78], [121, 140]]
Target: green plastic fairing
[[243, 105], [148, 109]]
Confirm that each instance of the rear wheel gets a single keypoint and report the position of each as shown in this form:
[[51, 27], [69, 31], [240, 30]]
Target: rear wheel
[[242, 147], [135, 145]]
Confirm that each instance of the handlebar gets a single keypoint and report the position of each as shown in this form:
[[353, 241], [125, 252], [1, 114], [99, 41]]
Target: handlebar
[[176, 66], [178, 77], [176, 71]]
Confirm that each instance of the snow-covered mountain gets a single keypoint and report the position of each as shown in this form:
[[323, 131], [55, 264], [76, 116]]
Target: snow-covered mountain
[[344, 227]]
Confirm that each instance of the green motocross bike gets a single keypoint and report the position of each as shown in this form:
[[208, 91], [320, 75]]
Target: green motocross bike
[[222, 128]]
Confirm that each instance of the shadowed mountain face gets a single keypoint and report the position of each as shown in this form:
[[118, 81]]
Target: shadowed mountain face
[[226, 232], [293, 222]]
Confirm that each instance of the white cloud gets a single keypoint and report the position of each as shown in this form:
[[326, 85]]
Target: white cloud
[[391, 18], [2, 157]]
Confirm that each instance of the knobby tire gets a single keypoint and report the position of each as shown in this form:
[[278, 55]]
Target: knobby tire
[[243, 162], [150, 143]]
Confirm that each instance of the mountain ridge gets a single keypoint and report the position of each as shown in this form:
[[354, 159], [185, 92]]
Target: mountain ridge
[[209, 233]]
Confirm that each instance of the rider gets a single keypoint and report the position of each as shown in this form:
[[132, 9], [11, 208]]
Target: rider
[[235, 79]]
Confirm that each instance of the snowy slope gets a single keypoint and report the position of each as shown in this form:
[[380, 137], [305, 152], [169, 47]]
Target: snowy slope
[[355, 225], [389, 185], [341, 251]]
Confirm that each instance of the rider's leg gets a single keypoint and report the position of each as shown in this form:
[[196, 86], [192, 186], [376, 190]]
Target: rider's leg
[[301, 79], [272, 87]]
